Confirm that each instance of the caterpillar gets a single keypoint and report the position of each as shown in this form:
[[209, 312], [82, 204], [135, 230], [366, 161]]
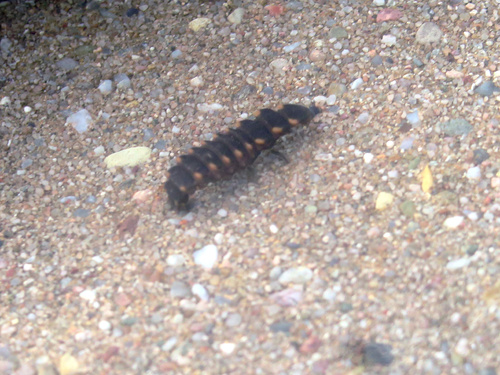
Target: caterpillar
[[232, 150]]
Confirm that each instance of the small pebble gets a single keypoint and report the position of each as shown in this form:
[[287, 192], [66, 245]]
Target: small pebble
[[206, 256], [199, 291], [67, 64], [227, 347], [357, 83], [179, 290], [80, 121], [104, 325], [384, 200], [176, 260], [474, 173], [368, 158], [377, 354], [486, 89], [222, 212], [457, 264], [453, 222], [106, 87], [429, 32], [298, 275], [122, 82], [236, 16], [233, 320], [169, 344]]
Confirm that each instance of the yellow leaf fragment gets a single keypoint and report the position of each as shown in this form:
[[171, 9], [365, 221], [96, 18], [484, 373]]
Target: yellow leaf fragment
[[427, 180]]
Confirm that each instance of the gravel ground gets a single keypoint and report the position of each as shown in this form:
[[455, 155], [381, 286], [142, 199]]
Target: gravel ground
[[373, 250]]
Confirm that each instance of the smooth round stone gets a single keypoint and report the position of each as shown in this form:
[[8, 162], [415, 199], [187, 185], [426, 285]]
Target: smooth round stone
[[104, 325], [486, 88], [199, 291], [106, 87], [176, 260], [206, 256], [233, 320], [179, 290], [236, 16], [429, 32], [297, 275]]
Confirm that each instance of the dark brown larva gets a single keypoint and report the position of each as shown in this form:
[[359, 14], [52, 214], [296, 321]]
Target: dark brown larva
[[232, 150]]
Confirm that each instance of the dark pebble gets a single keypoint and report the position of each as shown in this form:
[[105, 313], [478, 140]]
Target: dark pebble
[[129, 321], [81, 212], [377, 354], [418, 63], [471, 249], [1, 243], [160, 145], [345, 307], [480, 155], [488, 371], [377, 61], [132, 12], [389, 60], [268, 90], [486, 89], [293, 245], [148, 134], [282, 326]]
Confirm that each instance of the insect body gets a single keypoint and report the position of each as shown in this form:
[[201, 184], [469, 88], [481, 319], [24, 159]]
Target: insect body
[[232, 150]]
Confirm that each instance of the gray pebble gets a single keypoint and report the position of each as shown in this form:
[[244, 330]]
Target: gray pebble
[[486, 89], [377, 354], [122, 81], [233, 320], [26, 163], [5, 45], [106, 87], [81, 212], [179, 290], [377, 61], [338, 33], [480, 155], [282, 326], [67, 64], [456, 127], [176, 54], [429, 32]]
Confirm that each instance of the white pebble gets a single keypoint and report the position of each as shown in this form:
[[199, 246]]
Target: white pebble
[[80, 120], [176, 260], [5, 101], [196, 81], [236, 16], [88, 295], [368, 158], [206, 256], [331, 99], [389, 40], [105, 87], [273, 228], [222, 212], [200, 291], [298, 275], [320, 100], [104, 325], [390, 144], [356, 83], [169, 344], [457, 264], [227, 347], [474, 173], [99, 150], [462, 347], [453, 222], [27, 109]]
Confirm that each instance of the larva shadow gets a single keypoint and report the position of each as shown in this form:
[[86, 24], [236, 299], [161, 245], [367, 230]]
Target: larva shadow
[[232, 151]]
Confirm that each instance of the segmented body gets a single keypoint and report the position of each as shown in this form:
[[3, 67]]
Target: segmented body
[[232, 150]]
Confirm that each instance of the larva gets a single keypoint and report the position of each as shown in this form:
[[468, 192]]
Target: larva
[[232, 150]]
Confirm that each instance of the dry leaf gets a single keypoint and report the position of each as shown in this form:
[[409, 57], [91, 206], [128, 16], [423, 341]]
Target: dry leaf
[[427, 180]]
